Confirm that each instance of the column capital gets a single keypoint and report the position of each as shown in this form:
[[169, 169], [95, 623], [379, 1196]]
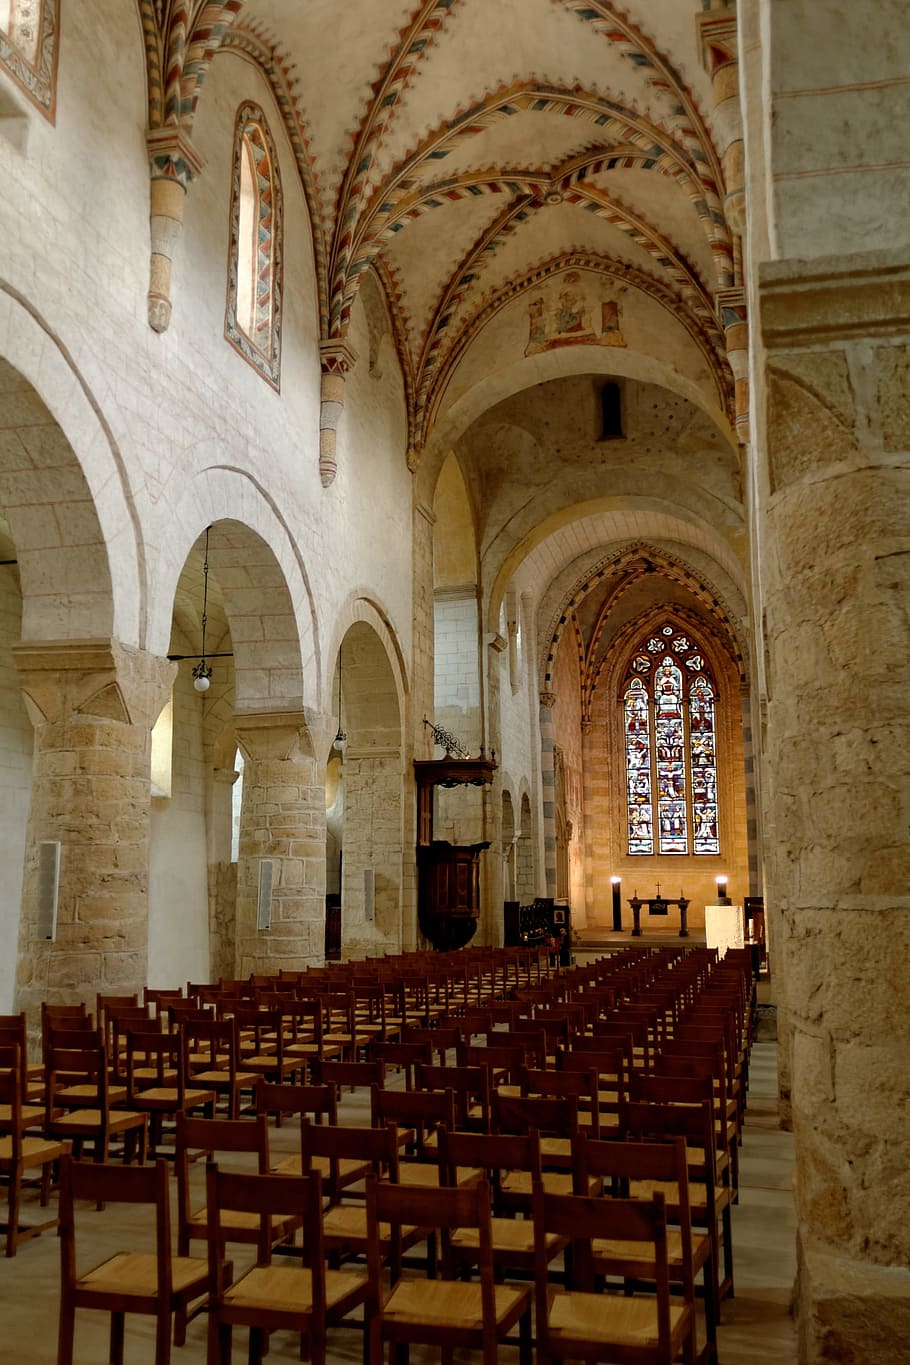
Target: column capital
[[172, 156], [275, 735], [98, 678], [547, 700]]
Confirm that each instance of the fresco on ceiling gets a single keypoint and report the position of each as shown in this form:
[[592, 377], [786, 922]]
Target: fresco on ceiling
[[572, 310]]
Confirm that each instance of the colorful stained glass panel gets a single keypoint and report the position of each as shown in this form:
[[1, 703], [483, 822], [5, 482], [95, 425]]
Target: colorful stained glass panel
[[638, 768]]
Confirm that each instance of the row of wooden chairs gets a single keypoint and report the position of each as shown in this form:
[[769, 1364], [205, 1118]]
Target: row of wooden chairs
[[572, 1245]]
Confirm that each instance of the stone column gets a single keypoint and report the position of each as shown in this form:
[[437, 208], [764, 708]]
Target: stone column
[[587, 759], [836, 566], [282, 821], [372, 841], [222, 872], [548, 788], [93, 704]]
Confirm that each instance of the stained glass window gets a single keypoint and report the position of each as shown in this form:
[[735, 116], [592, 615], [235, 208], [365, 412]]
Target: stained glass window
[[669, 710]]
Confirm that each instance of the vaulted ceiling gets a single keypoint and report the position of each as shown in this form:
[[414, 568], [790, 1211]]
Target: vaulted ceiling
[[468, 150], [536, 191]]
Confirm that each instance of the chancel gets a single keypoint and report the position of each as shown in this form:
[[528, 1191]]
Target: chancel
[[537, 369]]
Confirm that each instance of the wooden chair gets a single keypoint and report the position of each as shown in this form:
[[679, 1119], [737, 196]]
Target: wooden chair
[[374, 1151], [14, 1033], [353, 1074], [657, 1119], [470, 1086], [445, 1312], [416, 1113], [578, 1323], [269, 1035], [612, 1065], [235, 1139], [13, 1056], [155, 1283], [494, 1156], [622, 1166], [303, 1022], [20, 1153], [443, 1039], [580, 1085], [302, 1298], [556, 1120], [213, 1059], [340, 1023], [156, 1080], [403, 1056], [84, 1071]]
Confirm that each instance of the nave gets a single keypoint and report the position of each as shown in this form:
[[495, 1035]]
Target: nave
[[755, 1325]]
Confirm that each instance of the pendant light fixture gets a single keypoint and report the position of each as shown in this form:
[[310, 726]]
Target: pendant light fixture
[[202, 673], [340, 742]]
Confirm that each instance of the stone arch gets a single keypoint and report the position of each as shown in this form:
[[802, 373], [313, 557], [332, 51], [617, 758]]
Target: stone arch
[[638, 560], [253, 550], [362, 608], [69, 503], [505, 380]]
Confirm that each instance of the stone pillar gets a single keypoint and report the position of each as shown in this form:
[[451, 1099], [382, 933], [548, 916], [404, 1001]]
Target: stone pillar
[[222, 872], [837, 588], [588, 762], [548, 788], [372, 841], [173, 164], [282, 820], [336, 358], [93, 704]]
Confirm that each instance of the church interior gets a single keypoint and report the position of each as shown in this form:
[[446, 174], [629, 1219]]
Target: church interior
[[453, 483]]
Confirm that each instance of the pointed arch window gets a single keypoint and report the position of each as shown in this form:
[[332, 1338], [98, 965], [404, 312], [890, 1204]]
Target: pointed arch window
[[253, 316], [669, 714]]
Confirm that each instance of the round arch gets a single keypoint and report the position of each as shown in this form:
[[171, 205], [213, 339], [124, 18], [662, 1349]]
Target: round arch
[[255, 557], [82, 559]]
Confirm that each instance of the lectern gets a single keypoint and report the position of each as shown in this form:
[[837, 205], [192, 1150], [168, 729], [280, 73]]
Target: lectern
[[448, 875]]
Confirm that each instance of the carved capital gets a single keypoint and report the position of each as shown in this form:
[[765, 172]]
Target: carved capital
[[102, 679], [547, 700], [274, 735], [717, 42], [172, 156], [336, 357]]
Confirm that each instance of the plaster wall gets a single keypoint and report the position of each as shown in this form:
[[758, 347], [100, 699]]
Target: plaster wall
[[15, 783]]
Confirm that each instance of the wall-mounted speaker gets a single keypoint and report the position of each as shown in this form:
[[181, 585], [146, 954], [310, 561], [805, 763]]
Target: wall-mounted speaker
[[48, 887], [264, 908]]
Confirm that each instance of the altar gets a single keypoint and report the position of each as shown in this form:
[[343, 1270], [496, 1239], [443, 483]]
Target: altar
[[659, 905]]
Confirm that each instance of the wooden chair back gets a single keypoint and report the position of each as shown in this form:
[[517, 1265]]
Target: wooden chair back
[[562, 1322]]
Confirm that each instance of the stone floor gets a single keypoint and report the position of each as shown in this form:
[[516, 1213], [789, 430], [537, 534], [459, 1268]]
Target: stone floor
[[756, 1325]]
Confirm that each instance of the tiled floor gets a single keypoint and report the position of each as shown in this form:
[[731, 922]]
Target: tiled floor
[[756, 1325]]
